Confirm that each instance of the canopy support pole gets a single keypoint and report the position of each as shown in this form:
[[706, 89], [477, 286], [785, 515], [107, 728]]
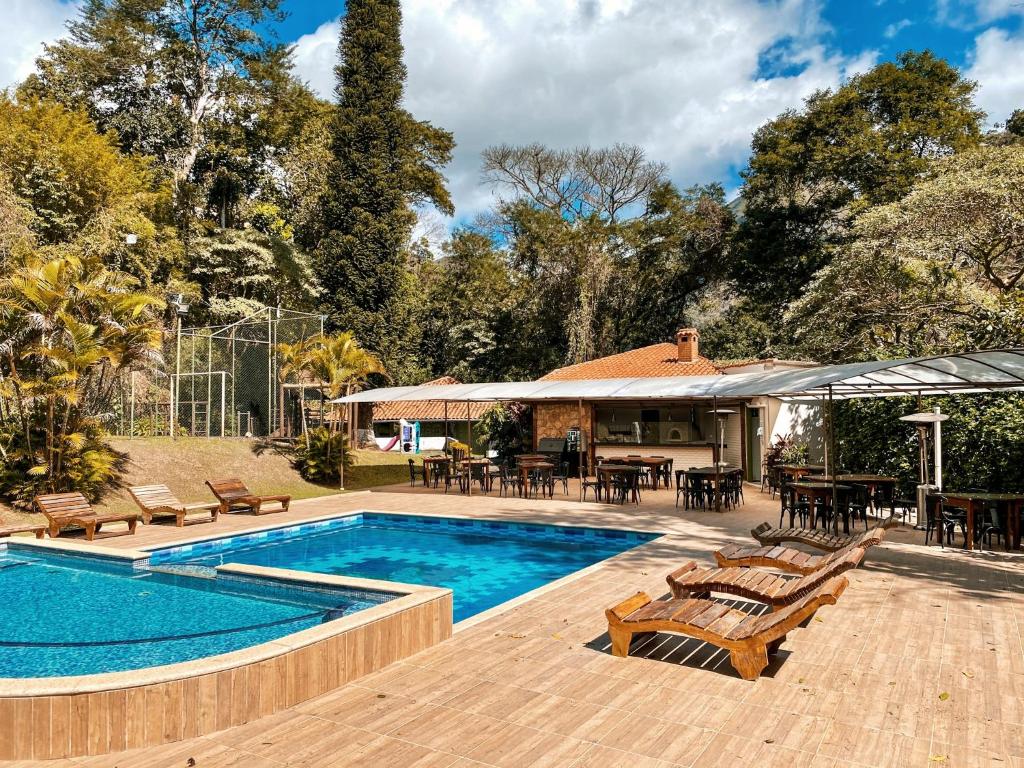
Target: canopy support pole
[[832, 450], [469, 453], [579, 449], [718, 458], [444, 449]]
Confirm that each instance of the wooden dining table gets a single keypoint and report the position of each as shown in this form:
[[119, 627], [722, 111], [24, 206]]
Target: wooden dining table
[[797, 471], [606, 471], [655, 463], [429, 463], [527, 463], [814, 492], [970, 500], [873, 482], [718, 475]]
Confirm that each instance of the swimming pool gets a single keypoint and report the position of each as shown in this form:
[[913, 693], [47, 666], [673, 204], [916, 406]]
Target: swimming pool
[[77, 615], [483, 562]]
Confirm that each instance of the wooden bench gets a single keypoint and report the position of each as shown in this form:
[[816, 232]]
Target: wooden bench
[[749, 639], [755, 584], [815, 538], [157, 500], [66, 510], [10, 530], [232, 494], [789, 559]]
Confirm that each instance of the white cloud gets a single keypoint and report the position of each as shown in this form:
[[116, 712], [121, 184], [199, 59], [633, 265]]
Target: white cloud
[[895, 28], [997, 63], [681, 79], [30, 24]]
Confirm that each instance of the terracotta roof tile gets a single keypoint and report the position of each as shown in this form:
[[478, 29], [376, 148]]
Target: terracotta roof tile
[[655, 360], [427, 410]]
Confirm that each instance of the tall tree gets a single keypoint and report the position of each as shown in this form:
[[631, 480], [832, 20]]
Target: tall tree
[[384, 163], [160, 72], [813, 171]]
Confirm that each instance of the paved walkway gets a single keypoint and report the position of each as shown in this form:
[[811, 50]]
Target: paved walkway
[[919, 664]]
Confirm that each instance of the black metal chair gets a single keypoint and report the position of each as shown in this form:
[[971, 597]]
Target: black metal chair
[[509, 478], [412, 473], [561, 475], [859, 502], [949, 518]]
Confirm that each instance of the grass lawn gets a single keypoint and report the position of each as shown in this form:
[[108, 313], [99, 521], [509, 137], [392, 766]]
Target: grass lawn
[[185, 463]]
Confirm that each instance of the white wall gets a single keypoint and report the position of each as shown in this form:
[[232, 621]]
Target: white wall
[[803, 421]]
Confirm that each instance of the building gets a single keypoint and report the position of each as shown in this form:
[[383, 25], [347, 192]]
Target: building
[[685, 430], [434, 417]]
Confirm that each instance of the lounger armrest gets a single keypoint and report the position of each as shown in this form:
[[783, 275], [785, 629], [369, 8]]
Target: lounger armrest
[[619, 612]]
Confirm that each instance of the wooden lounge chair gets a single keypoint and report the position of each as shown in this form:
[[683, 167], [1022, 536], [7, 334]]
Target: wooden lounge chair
[[232, 494], [156, 500], [72, 510], [815, 538], [755, 584], [789, 559], [749, 639], [10, 530]]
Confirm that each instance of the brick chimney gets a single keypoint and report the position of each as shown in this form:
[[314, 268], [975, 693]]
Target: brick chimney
[[687, 344]]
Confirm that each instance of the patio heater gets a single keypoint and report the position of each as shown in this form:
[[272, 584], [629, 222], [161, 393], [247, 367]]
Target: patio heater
[[925, 421], [721, 414]]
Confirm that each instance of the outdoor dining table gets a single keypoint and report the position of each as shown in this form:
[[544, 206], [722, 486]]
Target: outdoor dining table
[[797, 471], [606, 471], [823, 491], [428, 466], [873, 482], [655, 463], [721, 472], [525, 464], [969, 499]]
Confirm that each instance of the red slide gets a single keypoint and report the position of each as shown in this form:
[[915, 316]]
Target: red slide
[[391, 445]]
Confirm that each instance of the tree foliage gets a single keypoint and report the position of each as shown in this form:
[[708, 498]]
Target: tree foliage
[[383, 163]]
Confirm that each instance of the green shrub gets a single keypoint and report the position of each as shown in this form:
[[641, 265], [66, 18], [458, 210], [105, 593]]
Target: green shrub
[[319, 453]]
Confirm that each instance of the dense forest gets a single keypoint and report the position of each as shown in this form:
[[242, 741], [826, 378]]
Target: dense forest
[[167, 148]]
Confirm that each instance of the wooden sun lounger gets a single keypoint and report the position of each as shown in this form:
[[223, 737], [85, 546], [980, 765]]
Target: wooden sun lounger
[[65, 510], [816, 538], [755, 584], [156, 500], [749, 639], [232, 494], [789, 559], [10, 530]]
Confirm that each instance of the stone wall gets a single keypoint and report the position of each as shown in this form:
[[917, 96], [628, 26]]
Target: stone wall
[[555, 419]]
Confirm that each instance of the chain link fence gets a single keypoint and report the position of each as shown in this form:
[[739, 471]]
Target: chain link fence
[[222, 381]]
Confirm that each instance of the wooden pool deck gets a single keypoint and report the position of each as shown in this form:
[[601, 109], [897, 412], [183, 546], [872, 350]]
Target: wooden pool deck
[[920, 663]]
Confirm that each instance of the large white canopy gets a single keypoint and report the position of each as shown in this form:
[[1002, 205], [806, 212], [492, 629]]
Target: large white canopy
[[969, 372]]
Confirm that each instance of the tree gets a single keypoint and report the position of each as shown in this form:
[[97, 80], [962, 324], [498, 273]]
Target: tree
[[925, 274], [1015, 123], [158, 72], [384, 162], [69, 327], [813, 171], [83, 192]]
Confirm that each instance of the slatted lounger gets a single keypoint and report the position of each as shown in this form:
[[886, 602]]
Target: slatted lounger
[[65, 510], [789, 559], [749, 639], [816, 538], [232, 494], [10, 530], [755, 584], [156, 500]]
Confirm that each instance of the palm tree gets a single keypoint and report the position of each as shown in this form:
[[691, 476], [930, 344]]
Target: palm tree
[[338, 362], [68, 328]]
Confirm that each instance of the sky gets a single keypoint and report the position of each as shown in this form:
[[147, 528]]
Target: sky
[[688, 80]]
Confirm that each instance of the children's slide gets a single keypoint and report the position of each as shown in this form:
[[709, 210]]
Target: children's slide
[[392, 444]]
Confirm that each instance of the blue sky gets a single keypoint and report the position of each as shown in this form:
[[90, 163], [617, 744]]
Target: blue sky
[[688, 80]]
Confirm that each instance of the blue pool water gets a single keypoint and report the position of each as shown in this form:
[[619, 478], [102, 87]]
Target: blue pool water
[[483, 562], [65, 615]]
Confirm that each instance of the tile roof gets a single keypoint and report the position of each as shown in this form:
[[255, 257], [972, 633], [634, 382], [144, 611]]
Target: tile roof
[[428, 410], [655, 360]]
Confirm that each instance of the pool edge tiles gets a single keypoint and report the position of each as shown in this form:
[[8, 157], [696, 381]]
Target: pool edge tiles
[[212, 693]]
